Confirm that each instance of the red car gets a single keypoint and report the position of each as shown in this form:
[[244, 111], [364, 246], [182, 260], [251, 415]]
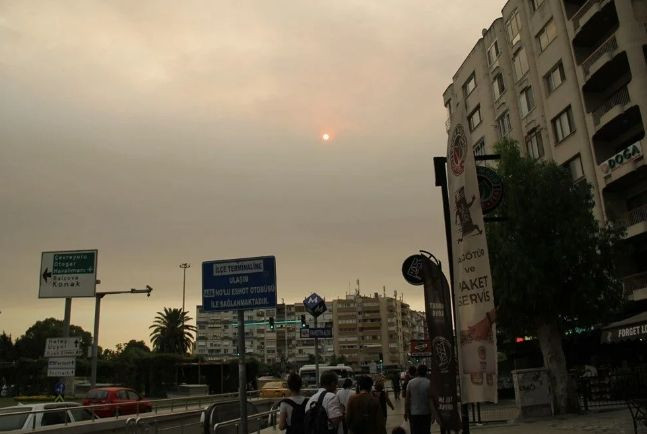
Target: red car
[[123, 400]]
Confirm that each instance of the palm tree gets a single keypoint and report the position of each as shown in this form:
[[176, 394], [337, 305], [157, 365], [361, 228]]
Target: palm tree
[[171, 333]]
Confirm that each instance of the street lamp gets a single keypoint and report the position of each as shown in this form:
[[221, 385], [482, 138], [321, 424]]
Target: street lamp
[[184, 266], [97, 312]]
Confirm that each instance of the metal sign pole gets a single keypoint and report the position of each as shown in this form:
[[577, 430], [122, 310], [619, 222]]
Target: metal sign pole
[[316, 356], [95, 340], [68, 381], [441, 181], [242, 373]]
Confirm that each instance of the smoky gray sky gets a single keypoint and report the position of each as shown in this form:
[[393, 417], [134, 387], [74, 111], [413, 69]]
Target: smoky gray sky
[[161, 132]]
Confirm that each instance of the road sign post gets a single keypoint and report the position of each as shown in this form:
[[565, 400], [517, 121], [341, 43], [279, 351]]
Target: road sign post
[[239, 284], [315, 305]]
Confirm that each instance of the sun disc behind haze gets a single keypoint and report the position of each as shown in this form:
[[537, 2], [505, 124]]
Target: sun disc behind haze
[[325, 137]]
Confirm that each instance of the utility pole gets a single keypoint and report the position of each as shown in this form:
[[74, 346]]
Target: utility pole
[[97, 312], [184, 266]]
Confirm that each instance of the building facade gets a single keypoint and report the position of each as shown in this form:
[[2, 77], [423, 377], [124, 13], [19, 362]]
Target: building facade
[[567, 80], [364, 329], [370, 330]]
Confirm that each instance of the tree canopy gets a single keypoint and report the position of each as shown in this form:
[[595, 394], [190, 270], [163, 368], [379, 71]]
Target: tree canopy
[[553, 264], [551, 259], [171, 332], [32, 343]]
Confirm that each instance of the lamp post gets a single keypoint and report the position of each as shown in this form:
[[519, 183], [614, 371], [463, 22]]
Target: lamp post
[[97, 311], [184, 266]]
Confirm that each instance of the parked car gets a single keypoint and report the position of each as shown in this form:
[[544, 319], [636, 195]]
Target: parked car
[[274, 389], [122, 399], [34, 416]]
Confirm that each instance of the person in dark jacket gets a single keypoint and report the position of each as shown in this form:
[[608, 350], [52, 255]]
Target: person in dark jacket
[[364, 415]]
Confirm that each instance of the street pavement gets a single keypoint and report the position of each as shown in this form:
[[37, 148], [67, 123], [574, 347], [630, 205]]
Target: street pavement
[[616, 422]]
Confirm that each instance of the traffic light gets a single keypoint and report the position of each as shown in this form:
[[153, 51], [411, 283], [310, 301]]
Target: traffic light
[[303, 321], [381, 358], [271, 323]]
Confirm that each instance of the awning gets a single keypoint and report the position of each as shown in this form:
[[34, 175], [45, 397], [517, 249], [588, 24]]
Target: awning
[[632, 328]]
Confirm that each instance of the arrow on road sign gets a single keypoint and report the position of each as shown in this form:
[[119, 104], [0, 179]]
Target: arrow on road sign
[[46, 274]]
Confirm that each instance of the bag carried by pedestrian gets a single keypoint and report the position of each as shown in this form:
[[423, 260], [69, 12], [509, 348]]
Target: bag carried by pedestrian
[[316, 419], [297, 419]]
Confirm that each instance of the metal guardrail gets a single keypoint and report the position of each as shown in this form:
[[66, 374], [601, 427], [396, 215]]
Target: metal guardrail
[[608, 46], [236, 422], [168, 405], [609, 392], [621, 97]]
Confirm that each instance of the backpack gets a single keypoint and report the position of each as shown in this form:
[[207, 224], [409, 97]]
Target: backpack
[[297, 419], [316, 418]]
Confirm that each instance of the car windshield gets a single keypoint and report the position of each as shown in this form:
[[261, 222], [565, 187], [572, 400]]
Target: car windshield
[[10, 421], [273, 385], [97, 394]]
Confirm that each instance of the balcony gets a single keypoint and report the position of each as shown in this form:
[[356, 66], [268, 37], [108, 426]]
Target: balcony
[[622, 163], [605, 52], [636, 286], [615, 104], [588, 9], [635, 221]]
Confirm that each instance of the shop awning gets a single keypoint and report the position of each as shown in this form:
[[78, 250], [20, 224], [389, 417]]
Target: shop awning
[[632, 328]]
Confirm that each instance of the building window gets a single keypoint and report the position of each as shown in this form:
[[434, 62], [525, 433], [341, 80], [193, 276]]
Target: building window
[[526, 101], [498, 86], [555, 77], [535, 4], [574, 166], [474, 118], [534, 144], [493, 52], [479, 147], [520, 62], [504, 125], [513, 26], [469, 85], [563, 124], [546, 35]]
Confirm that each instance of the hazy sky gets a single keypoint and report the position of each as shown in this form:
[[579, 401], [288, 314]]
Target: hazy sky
[[161, 132]]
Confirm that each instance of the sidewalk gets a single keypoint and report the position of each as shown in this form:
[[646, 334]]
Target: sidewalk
[[616, 422]]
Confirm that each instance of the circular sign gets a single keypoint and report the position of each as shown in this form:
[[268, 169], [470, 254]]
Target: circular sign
[[457, 151], [412, 269], [490, 188]]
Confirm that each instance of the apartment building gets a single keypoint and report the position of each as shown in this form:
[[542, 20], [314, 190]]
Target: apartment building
[[367, 328], [567, 79], [363, 329], [217, 335]]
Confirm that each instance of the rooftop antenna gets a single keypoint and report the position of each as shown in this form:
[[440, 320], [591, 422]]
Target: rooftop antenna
[[357, 286]]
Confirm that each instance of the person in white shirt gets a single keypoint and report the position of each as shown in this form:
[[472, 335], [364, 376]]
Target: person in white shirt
[[345, 393], [417, 408], [285, 408], [330, 403]]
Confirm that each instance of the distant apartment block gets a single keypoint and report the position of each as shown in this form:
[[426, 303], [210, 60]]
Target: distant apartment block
[[567, 79], [364, 328]]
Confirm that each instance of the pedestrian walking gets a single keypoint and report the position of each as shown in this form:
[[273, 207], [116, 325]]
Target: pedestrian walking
[[382, 397], [417, 408], [345, 392], [411, 373], [293, 408], [364, 415], [324, 413], [395, 382]]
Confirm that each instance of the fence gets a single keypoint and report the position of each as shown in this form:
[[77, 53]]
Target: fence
[[612, 391]]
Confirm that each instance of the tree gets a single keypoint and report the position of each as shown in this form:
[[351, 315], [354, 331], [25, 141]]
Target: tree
[[171, 331], [553, 265], [7, 350], [32, 343]]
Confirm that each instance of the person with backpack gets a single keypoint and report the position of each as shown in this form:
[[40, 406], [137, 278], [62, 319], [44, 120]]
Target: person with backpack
[[363, 414], [292, 409], [324, 411]]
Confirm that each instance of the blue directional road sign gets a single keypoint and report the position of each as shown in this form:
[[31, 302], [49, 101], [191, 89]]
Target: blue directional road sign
[[239, 284]]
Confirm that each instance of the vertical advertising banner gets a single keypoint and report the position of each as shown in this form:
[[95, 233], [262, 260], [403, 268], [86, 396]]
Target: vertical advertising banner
[[473, 295]]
